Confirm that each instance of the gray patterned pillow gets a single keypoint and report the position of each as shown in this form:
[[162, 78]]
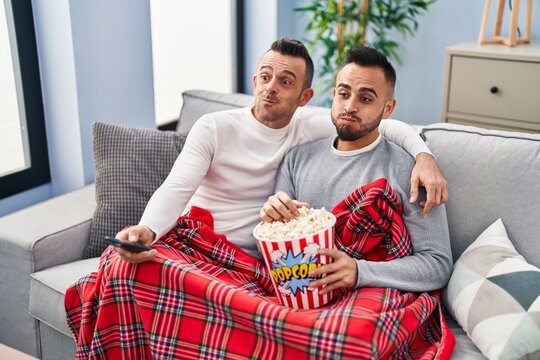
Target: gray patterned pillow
[[130, 165], [494, 294]]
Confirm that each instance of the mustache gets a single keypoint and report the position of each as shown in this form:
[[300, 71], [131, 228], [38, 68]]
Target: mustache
[[272, 98], [352, 116]]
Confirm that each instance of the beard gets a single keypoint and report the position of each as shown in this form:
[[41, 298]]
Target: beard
[[346, 132]]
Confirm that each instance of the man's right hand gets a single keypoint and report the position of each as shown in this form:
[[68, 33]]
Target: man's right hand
[[140, 234], [280, 207]]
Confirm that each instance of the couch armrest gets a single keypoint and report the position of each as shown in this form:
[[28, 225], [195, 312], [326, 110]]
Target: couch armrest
[[50, 233], [38, 237]]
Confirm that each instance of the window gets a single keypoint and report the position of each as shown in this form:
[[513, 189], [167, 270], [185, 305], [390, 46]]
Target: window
[[195, 45], [23, 148], [13, 137]]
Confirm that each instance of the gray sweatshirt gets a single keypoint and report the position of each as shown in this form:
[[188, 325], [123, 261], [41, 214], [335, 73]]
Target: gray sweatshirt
[[318, 173]]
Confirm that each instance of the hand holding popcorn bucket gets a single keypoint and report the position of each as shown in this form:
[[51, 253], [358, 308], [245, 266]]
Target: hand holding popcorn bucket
[[290, 251]]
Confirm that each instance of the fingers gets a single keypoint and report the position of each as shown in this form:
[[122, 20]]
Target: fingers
[[269, 213], [426, 173], [265, 214], [131, 233], [329, 283], [300, 204], [141, 234], [415, 184], [136, 258], [341, 273], [122, 235], [431, 200], [280, 207], [333, 266], [137, 233], [427, 208], [444, 197], [334, 253], [436, 194]]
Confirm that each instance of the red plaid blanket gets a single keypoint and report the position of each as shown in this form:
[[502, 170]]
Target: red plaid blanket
[[203, 297]]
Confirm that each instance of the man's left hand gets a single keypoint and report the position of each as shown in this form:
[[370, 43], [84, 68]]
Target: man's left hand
[[339, 274], [426, 173]]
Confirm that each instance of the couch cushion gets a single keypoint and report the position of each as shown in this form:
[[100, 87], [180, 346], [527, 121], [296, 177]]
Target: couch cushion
[[200, 102], [494, 294], [465, 348], [130, 165], [491, 174], [48, 287]]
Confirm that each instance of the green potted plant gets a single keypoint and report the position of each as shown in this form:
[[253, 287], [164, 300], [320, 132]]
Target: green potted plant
[[338, 25]]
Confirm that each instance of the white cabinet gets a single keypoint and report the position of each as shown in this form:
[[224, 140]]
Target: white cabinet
[[493, 86]]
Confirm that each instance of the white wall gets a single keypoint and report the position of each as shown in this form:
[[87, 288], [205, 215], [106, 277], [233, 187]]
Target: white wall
[[261, 29], [193, 48]]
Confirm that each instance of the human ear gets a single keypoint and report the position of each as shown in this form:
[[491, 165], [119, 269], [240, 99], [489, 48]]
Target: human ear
[[307, 94], [389, 107]]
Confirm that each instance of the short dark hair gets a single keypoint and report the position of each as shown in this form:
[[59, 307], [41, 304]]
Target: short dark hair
[[296, 48], [369, 57]]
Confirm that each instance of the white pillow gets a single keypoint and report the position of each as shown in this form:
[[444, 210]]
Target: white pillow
[[494, 294]]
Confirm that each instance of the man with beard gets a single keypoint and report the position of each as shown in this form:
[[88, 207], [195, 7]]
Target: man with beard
[[175, 304], [230, 158], [324, 172]]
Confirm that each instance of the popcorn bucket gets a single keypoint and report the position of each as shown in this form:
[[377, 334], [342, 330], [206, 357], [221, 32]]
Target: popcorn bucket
[[289, 261]]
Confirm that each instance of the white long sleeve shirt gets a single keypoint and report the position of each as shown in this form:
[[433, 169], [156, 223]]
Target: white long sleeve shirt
[[228, 166]]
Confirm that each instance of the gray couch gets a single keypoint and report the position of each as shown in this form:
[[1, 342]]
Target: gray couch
[[491, 174]]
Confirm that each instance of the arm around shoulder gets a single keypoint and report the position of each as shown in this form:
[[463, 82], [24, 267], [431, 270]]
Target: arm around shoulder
[[426, 173], [404, 135]]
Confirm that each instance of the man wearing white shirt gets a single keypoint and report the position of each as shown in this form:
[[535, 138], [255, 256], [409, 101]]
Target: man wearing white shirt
[[230, 158]]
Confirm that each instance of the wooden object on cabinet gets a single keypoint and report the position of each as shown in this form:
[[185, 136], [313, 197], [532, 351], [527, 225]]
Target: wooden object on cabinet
[[512, 39], [493, 86]]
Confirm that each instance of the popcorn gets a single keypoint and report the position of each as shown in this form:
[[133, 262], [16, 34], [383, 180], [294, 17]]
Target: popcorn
[[309, 221], [291, 249]]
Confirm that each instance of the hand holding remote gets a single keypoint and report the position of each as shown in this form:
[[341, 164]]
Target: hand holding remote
[[131, 246], [140, 235]]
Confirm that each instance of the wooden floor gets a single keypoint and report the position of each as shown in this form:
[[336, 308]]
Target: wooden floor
[[7, 353]]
